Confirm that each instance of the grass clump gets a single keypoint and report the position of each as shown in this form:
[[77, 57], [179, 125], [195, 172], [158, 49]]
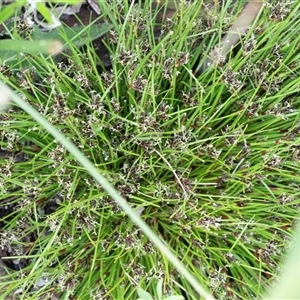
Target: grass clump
[[211, 160]]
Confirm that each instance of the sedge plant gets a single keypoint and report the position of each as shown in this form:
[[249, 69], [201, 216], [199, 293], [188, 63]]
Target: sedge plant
[[209, 162]]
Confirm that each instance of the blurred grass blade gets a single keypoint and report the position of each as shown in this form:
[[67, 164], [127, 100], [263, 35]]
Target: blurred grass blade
[[69, 2], [9, 11], [143, 294], [45, 12], [159, 288], [288, 285], [31, 47]]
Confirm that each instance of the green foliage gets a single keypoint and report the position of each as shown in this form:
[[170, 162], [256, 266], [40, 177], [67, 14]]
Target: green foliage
[[9, 10], [47, 43], [41, 42], [213, 161]]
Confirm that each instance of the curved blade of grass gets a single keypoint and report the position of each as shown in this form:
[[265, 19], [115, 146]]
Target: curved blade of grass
[[162, 246], [45, 12]]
